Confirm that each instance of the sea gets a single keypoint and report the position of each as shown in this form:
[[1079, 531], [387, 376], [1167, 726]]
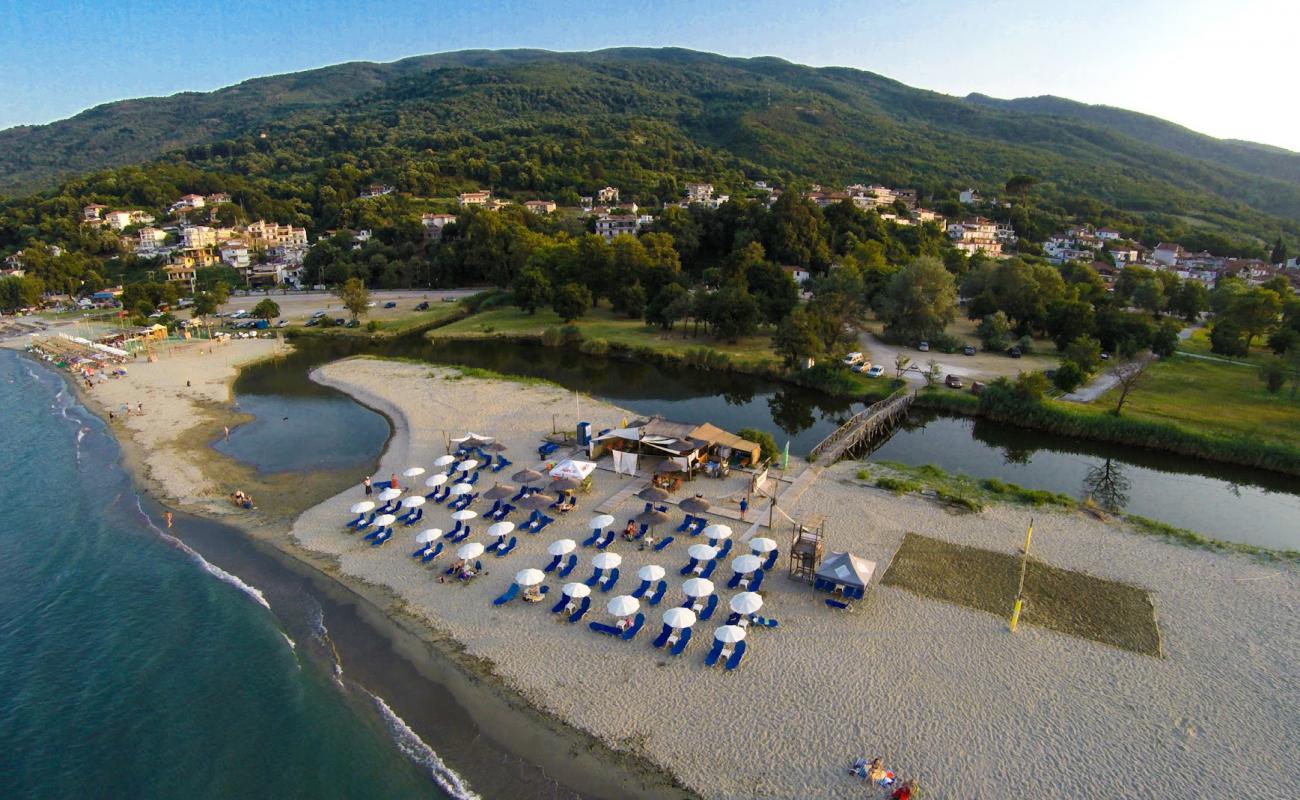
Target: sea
[[133, 666]]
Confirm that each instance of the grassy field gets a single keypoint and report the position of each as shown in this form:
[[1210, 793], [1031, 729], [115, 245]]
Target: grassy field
[[391, 326], [603, 323], [1213, 397], [1062, 600]]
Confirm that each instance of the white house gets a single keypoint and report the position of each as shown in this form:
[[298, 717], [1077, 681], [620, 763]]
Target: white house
[[975, 235], [969, 197], [434, 223], [699, 193], [540, 206], [799, 275], [473, 198], [607, 196], [92, 211], [189, 201], [196, 237], [1107, 234], [376, 191], [611, 225], [1167, 254], [234, 253], [149, 239], [117, 220]]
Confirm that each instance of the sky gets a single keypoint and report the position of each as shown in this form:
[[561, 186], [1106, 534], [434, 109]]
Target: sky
[[1223, 67]]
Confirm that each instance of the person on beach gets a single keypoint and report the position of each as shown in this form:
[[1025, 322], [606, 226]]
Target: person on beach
[[629, 533], [393, 481], [369, 489], [167, 515], [904, 792], [877, 774], [227, 427], [111, 417]]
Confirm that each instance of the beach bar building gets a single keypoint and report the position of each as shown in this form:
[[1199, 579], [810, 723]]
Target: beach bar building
[[844, 575]]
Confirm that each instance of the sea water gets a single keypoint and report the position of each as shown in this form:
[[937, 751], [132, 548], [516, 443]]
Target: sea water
[[130, 666]]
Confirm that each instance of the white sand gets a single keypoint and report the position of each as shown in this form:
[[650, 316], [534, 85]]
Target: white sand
[[942, 693]]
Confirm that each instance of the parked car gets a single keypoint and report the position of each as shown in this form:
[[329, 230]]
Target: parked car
[[968, 350], [318, 315], [390, 304], [875, 371], [1014, 352], [313, 322], [339, 321], [976, 388], [924, 347], [282, 323], [371, 304], [1105, 356], [353, 323], [424, 306], [853, 358], [448, 299], [952, 382]]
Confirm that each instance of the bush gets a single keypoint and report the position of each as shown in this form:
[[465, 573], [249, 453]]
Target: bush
[[958, 499], [1026, 344], [994, 332], [897, 485], [827, 376], [1273, 372], [1069, 376], [946, 343], [1031, 386], [372, 325], [1227, 339], [763, 439], [552, 337], [571, 334], [706, 358], [595, 347]]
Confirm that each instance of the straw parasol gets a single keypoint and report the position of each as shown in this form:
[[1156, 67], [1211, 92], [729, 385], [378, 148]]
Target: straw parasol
[[746, 564], [431, 535], [561, 547], [653, 493], [606, 560], [697, 587], [762, 544], [414, 501], [527, 476], [362, 507], [651, 572], [434, 481], [718, 532], [702, 552], [529, 577], [576, 590], [473, 441], [538, 501], [600, 521], [625, 605], [652, 517], [469, 550], [499, 492], [729, 634], [694, 505], [495, 447], [413, 472], [464, 515], [678, 617], [747, 603]]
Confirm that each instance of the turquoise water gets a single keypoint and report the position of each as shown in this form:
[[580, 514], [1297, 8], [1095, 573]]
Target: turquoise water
[[130, 667]]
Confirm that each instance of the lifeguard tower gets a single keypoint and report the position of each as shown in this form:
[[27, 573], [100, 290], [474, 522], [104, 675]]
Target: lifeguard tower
[[807, 547]]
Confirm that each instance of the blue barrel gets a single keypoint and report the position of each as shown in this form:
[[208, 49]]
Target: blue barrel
[[584, 433]]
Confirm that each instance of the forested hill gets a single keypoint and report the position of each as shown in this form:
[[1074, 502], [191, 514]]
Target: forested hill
[[541, 122], [1262, 160]]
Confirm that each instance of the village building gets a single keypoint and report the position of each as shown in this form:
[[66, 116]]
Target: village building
[[434, 223], [540, 206], [799, 275], [969, 197], [92, 211], [182, 274], [607, 196], [149, 239], [188, 202], [473, 198], [975, 235], [611, 225], [1167, 254], [262, 235], [234, 253], [376, 190]]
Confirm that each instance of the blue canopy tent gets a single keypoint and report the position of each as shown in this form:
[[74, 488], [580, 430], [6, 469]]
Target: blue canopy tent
[[844, 574]]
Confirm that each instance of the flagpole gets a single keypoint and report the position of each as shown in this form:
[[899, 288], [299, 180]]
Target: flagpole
[[1020, 589]]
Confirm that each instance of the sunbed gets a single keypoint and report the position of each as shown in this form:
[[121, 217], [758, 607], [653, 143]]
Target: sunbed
[[510, 594], [736, 655], [601, 627], [507, 548], [667, 541], [564, 571], [632, 630], [607, 582], [686, 523], [712, 658], [582, 610], [658, 593], [682, 641], [432, 554]]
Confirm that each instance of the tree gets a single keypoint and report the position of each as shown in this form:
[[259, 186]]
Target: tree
[[571, 301], [795, 339], [1069, 376], [266, 308], [1031, 386], [795, 234], [901, 363], [1256, 312], [1150, 296], [994, 332], [669, 305], [1107, 485], [355, 296], [205, 305], [1128, 374], [630, 299], [1067, 320], [1279, 253], [532, 290], [919, 301], [1190, 300], [733, 313], [1226, 339], [1020, 185], [1085, 353], [1273, 372], [932, 373], [1165, 342]]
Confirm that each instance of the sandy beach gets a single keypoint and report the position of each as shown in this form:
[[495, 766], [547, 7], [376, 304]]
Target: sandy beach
[[944, 694]]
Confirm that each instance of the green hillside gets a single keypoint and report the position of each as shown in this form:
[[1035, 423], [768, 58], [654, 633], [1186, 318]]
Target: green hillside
[[540, 122]]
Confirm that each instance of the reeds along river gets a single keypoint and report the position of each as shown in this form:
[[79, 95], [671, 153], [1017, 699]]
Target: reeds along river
[[1224, 502]]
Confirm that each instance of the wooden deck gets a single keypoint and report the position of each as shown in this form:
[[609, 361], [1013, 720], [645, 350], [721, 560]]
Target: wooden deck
[[866, 425]]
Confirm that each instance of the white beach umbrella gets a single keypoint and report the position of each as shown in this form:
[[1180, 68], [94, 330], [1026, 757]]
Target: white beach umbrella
[[746, 563], [462, 488], [384, 520], [576, 590], [435, 480], [413, 472], [624, 605], [650, 572], [432, 534], [606, 560], [762, 544], [678, 617], [702, 552], [729, 634], [601, 521], [414, 501], [718, 532], [529, 577], [442, 461], [469, 550], [467, 465], [464, 515], [747, 602], [697, 587], [499, 529], [389, 494], [362, 507], [561, 547]]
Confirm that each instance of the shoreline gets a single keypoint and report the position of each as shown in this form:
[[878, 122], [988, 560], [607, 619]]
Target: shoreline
[[432, 654]]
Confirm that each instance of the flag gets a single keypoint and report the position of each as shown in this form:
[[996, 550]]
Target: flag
[[785, 457]]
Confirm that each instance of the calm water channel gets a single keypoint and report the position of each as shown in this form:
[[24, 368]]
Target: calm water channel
[[302, 425]]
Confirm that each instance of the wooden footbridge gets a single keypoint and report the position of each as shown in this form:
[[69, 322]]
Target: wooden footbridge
[[865, 426]]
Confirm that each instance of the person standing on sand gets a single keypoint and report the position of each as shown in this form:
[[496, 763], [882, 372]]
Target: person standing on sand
[[369, 489], [167, 515], [393, 481], [227, 427]]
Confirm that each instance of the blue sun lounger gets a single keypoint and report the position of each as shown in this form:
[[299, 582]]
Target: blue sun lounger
[[632, 630], [547, 448], [581, 612], [712, 658], [361, 526], [689, 568], [558, 607], [501, 464], [591, 540], [698, 527], [374, 533], [502, 512], [709, 568], [564, 571], [507, 548], [725, 550], [382, 537], [682, 641], [605, 542], [601, 627], [496, 506], [432, 554], [640, 590], [595, 577], [545, 520], [360, 519], [662, 638], [416, 517], [734, 580], [771, 560], [510, 594], [608, 581], [710, 606], [494, 545], [645, 526], [736, 655], [833, 603], [455, 530], [473, 479], [686, 523], [462, 536], [667, 541], [659, 593], [555, 562]]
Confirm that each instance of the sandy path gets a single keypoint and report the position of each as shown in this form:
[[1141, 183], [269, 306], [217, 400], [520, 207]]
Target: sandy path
[[941, 692]]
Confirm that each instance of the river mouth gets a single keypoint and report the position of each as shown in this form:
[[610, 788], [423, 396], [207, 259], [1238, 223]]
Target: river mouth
[[1225, 502]]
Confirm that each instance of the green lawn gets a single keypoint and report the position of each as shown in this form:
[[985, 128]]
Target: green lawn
[[603, 323], [1212, 397], [396, 326]]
